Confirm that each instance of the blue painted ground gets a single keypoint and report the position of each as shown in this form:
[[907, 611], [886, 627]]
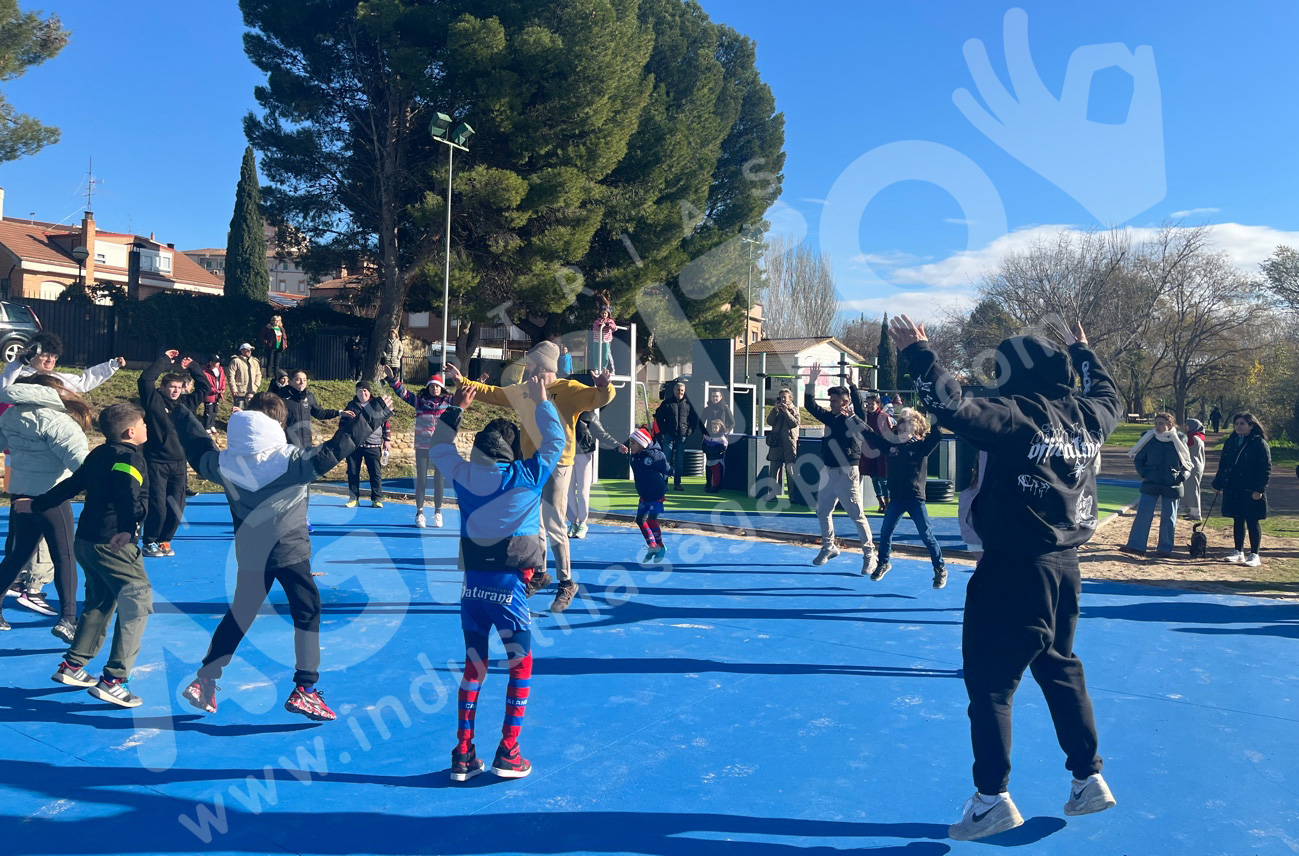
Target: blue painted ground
[[737, 701]]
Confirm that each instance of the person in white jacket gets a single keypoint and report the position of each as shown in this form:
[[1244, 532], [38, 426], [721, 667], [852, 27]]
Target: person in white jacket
[[40, 357]]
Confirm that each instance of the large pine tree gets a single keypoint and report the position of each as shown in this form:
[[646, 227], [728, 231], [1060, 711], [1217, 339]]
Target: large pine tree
[[886, 366], [26, 40], [247, 274]]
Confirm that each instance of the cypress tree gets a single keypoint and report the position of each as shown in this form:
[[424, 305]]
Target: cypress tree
[[886, 367], [247, 274]]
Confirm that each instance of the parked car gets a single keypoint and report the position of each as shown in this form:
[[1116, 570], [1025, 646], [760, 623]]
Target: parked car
[[18, 324]]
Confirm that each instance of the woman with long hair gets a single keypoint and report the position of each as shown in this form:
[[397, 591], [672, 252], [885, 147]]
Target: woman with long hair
[[45, 433], [1243, 473]]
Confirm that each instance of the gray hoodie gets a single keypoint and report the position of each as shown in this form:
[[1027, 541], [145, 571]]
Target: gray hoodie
[[45, 444], [266, 479]]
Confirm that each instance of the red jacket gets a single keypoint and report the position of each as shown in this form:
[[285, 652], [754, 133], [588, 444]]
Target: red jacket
[[878, 466], [216, 381]]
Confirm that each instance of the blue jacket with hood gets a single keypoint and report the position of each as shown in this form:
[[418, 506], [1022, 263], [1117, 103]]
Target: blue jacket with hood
[[500, 501]]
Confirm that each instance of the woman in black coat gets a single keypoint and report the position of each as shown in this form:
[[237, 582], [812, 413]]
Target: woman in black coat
[[1243, 473]]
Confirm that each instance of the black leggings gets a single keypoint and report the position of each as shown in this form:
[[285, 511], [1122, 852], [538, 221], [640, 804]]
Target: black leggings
[[56, 527], [1239, 526], [421, 480]]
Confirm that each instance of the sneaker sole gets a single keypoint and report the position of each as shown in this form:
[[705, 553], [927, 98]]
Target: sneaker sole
[[39, 610], [314, 717], [1005, 825], [196, 704], [71, 682], [1093, 805], [103, 696], [512, 774], [464, 777]]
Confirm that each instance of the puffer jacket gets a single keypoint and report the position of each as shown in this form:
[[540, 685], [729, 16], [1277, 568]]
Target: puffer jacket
[[1161, 470], [676, 417], [45, 444], [245, 375], [428, 409]]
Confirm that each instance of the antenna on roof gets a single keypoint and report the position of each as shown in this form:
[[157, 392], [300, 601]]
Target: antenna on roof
[[91, 181]]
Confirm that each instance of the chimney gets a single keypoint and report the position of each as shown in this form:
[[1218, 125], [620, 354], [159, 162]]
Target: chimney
[[88, 241]]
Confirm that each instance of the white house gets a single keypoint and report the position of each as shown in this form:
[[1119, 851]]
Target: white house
[[786, 362]]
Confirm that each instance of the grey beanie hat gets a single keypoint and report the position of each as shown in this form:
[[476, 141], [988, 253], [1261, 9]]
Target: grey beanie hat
[[545, 356]]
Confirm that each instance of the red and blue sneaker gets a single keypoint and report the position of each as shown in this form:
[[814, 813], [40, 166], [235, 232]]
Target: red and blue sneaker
[[202, 694], [309, 703], [510, 763]]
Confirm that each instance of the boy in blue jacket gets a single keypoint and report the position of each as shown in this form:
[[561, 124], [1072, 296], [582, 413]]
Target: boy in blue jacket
[[501, 549], [651, 470]]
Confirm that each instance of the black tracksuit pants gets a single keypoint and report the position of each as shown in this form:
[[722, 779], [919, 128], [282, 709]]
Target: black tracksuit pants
[[372, 456], [251, 589], [1021, 611], [167, 481]]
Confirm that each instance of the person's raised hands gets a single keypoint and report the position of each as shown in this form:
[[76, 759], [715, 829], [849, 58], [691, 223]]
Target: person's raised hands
[[904, 332], [464, 397]]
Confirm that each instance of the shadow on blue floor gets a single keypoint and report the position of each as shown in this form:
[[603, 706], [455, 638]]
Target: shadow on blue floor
[[735, 700]]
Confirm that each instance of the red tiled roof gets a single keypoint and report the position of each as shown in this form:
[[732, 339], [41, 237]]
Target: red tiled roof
[[795, 346], [32, 241]]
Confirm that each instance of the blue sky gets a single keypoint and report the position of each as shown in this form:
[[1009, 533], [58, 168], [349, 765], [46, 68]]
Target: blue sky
[[156, 98]]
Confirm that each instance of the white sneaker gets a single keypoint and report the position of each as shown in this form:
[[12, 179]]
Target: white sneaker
[[1252, 560], [984, 816], [827, 553], [419, 519], [437, 520], [1235, 558], [1089, 796], [579, 532]]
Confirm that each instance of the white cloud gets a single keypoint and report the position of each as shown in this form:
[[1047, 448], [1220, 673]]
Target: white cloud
[[1191, 212], [957, 221], [812, 200], [925, 306], [895, 258], [787, 221]]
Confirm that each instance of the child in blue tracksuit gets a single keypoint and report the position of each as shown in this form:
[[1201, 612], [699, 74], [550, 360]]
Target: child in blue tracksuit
[[651, 471], [501, 549]]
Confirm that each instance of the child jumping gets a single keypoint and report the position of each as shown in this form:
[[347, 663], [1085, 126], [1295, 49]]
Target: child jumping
[[501, 549], [429, 403], [113, 477], [651, 471], [266, 480], [840, 453], [907, 453]]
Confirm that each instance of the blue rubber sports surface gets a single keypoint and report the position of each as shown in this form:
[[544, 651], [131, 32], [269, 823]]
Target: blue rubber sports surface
[[734, 700]]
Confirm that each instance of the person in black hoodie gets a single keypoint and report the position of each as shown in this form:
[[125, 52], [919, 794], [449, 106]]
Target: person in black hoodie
[[303, 407], [372, 450], [840, 451], [907, 452], [113, 477], [676, 420], [1039, 437], [163, 451], [1244, 469]]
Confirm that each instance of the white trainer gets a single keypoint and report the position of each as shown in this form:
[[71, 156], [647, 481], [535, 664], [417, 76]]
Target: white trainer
[[1089, 796], [984, 816], [1252, 560], [437, 520], [419, 519], [1235, 558]]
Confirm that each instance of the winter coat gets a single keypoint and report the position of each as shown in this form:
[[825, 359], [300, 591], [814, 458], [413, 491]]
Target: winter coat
[[381, 434], [1161, 471], [1244, 469], [266, 479], [650, 469], [428, 409], [116, 481], [873, 463], [1195, 444], [1042, 433], [78, 383], [45, 444], [392, 352], [269, 339], [721, 411], [908, 462], [216, 381], [164, 444], [589, 432], [500, 503], [782, 440], [245, 375], [303, 407], [676, 418], [570, 398], [842, 443]]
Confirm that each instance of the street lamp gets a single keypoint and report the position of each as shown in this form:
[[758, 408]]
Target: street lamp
[[80, 254], [748, 311], [454, 138]]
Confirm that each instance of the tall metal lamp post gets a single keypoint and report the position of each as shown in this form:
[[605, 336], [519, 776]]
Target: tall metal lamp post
[[454, 138], [751, 239]]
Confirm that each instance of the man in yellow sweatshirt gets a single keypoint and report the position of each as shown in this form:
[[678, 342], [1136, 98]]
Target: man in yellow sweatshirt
[[571, 399]]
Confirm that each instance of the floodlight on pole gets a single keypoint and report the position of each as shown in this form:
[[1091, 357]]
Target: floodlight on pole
[[748, 311], [453, 138]]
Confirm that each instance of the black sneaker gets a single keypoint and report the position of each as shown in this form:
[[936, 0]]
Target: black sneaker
[[510, 763], [4, 625], [881, 569], [564, 597], [540, 579], [115, 692], [466, 765], [940, 577], [73, 676], [66, 629], [202, 694], [35, 601]]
